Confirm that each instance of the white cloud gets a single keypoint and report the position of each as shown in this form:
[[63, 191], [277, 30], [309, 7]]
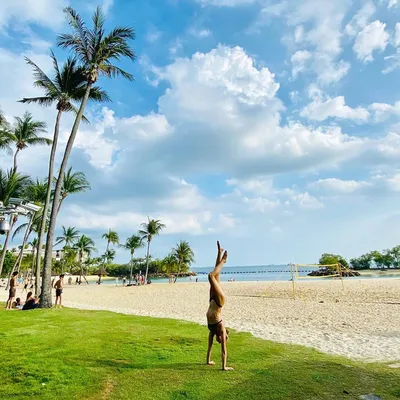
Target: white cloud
[[372, 38], [339, 186], [306, 201], [382, 111], [396, 39], [336, 107], [299, 61], [33, 11], [393, 3], [226, 3], [200, 33], [153, 35], [361, 19], [317, 26]]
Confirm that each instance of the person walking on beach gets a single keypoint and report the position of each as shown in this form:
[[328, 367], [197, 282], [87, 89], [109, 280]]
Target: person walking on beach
[[13, 290], [59, 289], [214, 313]]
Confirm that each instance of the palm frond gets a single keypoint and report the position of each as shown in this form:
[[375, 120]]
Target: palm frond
[[42, 101]]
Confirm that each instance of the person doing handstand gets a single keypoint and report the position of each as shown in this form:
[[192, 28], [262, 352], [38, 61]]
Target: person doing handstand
[[214, 313]]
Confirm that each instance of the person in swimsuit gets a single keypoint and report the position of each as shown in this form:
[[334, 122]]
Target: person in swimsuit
[[59, 289], [214, 313], [13, 290]]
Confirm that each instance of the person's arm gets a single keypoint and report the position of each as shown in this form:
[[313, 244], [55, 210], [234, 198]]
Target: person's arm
[[224, 354], [210, 343]]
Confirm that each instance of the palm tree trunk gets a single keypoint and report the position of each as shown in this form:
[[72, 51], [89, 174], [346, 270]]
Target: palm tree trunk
[[45, 300], [13, 220], [130, 276], [179, 270], [18, 261], [147, 261], [47, 202], [33, 262], [15, 160]]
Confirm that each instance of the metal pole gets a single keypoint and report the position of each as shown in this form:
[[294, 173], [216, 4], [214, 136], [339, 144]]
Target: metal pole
[[292, 275]]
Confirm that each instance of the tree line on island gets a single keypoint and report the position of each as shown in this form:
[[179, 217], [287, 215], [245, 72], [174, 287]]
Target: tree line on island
[[388, 258], [70, 88]]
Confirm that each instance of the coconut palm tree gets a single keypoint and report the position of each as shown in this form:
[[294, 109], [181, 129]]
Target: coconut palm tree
[[11, 185], [69, 236], [84, 246], [111, 237], [25, 133], [109, 255], [65, 89], [184, 255], [74, 182], [96, 51], [132, 244], [152, 227]]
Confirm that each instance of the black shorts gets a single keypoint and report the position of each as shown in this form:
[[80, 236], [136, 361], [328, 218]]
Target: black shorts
[[12, 292], [58, 292]]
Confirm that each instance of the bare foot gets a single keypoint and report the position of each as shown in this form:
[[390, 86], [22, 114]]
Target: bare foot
[[211, 363], [228, 369]]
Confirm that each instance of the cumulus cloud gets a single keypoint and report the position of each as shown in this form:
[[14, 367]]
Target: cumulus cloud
[[335, 185], [33, 11], [299, 61], [360, 19], [336, 107], [372, 38]]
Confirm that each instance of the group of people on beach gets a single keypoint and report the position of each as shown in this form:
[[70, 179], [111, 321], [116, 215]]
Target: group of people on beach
[[31, 301]]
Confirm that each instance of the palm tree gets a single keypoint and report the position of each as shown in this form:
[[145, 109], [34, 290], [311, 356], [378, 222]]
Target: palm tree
[[33, 243], [184, 254], [5, 135], [152, 227], [109, 255], [69, 236], [112, 238], [96, 52], [25, 133], [67, 87], [84, 246], [132, 244], [74, 182], [12, 184]]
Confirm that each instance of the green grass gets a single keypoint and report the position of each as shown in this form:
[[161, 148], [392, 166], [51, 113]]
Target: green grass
[[71, 354]]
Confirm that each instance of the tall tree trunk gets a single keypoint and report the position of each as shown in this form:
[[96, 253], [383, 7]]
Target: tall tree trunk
[[147, 261], [13, 220], [179, 270], [47, 202], [130, 276], [45, 299], [33, 263], [18, 261], [15, 160]]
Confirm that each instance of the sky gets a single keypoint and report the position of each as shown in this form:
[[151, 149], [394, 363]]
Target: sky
[[273, 126]]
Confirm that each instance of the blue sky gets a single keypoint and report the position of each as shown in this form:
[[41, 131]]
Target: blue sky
[[270, 125]]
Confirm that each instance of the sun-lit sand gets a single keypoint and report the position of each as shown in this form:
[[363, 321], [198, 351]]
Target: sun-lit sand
[[361, 322]]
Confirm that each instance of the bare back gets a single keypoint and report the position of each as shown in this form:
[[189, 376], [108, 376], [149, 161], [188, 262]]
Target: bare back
[[59, 284]]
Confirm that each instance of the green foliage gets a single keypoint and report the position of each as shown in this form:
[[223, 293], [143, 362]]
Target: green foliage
[[152, 227], [184, 255], [167, 358], [9, 262], [329, 259]]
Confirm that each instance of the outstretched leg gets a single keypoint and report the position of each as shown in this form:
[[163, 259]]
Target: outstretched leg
[[214, 276]]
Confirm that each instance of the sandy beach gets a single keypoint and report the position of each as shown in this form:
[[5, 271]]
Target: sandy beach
[[361, 322]]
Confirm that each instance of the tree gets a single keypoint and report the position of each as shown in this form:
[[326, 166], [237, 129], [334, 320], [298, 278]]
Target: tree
[[66, 88], [74, 182], [5, 135], [362, 262], [69, 237], [169, 263], [152, 227], [12, 184], [185, 256], [331, 259], [381, 259], [84, 246], [25, 133], [95, 51], [132, 244], [395, 253], [111, 237]]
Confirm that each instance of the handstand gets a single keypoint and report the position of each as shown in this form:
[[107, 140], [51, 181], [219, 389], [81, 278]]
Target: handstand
[[214, 313]]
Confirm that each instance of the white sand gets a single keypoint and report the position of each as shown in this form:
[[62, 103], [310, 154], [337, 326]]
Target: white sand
[[361, 322]]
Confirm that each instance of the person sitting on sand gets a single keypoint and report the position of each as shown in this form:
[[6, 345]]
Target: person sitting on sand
[[59, 289], [13, 290], [214, 313]]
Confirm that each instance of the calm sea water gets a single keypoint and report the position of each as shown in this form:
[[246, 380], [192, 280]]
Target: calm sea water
[[255, 273]]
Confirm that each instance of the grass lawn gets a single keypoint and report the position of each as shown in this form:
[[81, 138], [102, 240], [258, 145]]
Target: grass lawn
[[72, 354]]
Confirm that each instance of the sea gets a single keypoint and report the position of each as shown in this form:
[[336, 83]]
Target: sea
[[260, 273]]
